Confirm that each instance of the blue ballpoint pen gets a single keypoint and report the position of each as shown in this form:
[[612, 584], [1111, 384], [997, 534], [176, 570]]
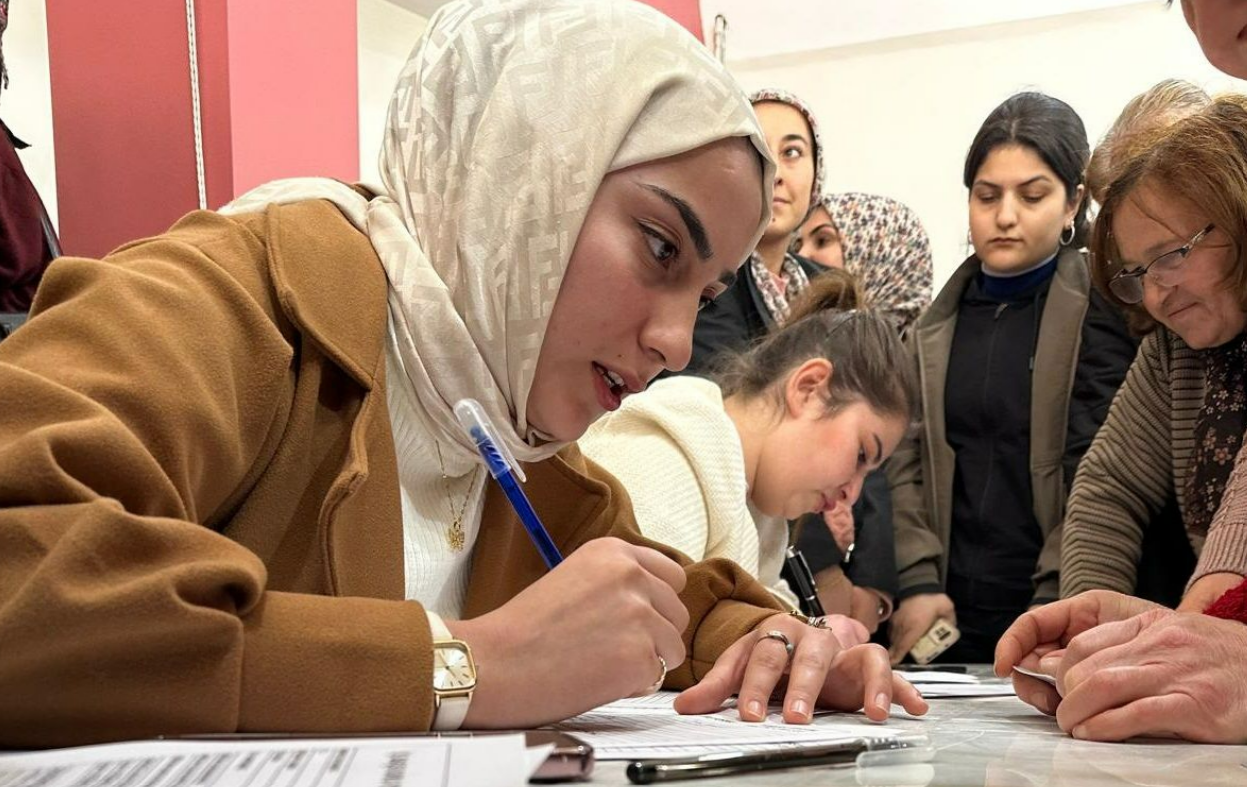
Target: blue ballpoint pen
[[503, 467]]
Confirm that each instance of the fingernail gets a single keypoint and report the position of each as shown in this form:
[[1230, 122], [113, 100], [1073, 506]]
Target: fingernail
[[881, 700], [754, 708], [1079, 732], [800, 708]]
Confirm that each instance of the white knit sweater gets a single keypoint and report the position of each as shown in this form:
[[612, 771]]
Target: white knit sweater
[[678, 454]]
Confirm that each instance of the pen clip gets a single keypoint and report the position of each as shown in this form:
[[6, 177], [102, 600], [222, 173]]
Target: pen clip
[[904, 749], [480, 429]]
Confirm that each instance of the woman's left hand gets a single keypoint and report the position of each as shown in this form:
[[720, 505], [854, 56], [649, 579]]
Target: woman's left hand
[[819, 672]]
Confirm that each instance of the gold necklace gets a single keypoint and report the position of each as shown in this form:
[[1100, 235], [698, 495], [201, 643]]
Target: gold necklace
[[455, 535]]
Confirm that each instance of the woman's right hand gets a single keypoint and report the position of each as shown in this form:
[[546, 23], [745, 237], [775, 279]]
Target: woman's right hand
[[587, 633], [914, 617]]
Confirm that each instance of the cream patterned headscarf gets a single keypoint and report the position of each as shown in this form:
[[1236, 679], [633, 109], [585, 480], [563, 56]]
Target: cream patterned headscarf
[[503, 123]]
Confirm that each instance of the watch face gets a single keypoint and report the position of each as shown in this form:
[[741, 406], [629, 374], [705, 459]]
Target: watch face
[[452, 669]]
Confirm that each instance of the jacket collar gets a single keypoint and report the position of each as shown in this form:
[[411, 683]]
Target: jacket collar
[[1056, 362], [330, 283]]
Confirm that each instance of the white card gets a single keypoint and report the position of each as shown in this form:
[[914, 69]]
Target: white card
[[1049, 679]]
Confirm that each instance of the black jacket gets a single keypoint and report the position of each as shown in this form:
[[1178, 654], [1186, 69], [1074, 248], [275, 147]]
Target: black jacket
[[1081, 349], [734, 320]]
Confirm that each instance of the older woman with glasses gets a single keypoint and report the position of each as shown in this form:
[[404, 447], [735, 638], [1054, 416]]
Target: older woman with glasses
[[1169, 246]]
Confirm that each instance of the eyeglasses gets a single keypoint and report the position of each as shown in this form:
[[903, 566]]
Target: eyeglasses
[[1166, 271]]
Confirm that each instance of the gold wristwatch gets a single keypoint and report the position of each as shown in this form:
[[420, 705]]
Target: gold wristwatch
[[454, 676]]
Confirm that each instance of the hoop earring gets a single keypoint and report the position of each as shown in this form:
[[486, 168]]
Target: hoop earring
[[1072, 233]]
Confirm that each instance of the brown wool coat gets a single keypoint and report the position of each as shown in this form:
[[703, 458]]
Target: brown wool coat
[[199, 511]]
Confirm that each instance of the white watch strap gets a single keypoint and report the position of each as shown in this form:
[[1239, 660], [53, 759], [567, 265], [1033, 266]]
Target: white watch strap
[[448, 712]]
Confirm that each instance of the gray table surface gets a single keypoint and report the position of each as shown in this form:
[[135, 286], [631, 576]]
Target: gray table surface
[[1002, 742]]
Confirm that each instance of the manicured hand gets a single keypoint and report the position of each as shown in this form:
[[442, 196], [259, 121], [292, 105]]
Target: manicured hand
[[848, 631], [587, 633], [914, 617], [819, 673]]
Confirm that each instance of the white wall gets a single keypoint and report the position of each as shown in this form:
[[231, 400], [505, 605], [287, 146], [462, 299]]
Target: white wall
[[26, 105], [898, 115], [387, 34]]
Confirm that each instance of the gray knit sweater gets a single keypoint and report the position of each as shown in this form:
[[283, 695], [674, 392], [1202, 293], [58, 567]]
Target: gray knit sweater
[[1141, 457]]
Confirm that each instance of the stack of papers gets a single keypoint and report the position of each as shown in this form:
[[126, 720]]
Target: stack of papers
[[943, 685], [649, 728], [500, 760]]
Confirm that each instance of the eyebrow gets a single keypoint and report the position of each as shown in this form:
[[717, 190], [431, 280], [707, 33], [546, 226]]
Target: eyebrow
[[692, 222], [1030, 182], [794, 138], [825, 225], [878, 449], [1164, 247]]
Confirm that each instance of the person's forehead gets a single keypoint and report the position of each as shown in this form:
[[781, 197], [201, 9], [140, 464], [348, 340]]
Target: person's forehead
[[1014, 163], [778, 117]]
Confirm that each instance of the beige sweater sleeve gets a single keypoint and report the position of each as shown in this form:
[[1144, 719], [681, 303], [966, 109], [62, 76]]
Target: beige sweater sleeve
[[1122, 482]]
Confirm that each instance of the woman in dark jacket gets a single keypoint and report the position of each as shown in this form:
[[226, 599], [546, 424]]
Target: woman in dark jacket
[[1019, 360]]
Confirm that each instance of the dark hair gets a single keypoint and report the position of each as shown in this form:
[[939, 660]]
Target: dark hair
[[1046, 125], [1202, 160], [868, 361]]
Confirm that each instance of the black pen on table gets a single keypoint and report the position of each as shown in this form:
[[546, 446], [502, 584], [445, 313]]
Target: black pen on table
[[883, 751], [803, 578]]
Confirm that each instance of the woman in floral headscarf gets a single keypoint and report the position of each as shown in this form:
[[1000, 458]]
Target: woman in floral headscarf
[[881, 242], [235, 496]]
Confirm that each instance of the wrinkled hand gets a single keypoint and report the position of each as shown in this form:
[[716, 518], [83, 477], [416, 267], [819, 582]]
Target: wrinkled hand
[[839, 521], [1208, 589], [1037, 639], [587, 633], [914, 617], [820, 673], [1161, 673]]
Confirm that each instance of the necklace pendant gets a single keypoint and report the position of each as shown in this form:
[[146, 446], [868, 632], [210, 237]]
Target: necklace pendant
[[454, 536]]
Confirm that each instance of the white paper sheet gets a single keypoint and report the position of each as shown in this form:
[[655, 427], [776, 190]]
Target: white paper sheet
[[485, 761], [1049, 679], [936, 691], [936, 676], [936, 685], [648, 727]]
